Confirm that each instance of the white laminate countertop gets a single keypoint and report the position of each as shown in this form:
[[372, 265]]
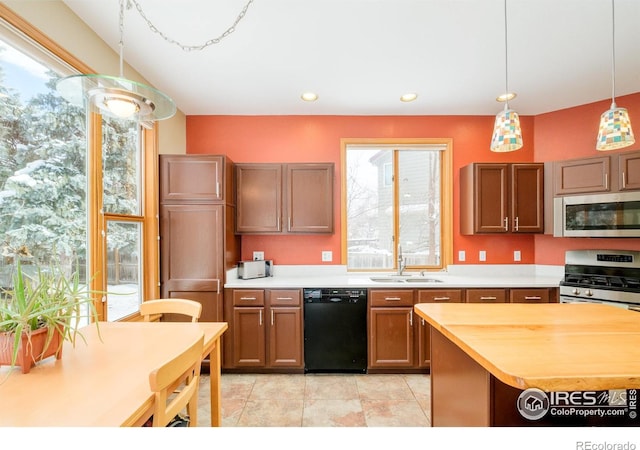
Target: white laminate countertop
[[459, 276]]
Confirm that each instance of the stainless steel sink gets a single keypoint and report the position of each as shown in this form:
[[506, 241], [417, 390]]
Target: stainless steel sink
[[389, 279], [404, 279], [422, 280]]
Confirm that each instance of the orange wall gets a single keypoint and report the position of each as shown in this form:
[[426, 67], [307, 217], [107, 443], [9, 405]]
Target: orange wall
[[317, 139], [571, 133]]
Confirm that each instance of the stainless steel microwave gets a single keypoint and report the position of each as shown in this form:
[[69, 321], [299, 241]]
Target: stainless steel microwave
[[598, 215]]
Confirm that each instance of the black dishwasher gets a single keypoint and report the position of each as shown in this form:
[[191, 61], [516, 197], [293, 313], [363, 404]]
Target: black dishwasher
[[335, 330]]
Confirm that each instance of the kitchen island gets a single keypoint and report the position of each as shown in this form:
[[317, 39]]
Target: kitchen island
[[533, 364]]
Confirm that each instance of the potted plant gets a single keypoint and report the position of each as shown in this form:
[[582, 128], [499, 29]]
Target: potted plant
[[37, 314]]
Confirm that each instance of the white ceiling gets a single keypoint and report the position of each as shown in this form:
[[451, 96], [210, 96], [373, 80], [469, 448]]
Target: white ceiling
[[361, 55]]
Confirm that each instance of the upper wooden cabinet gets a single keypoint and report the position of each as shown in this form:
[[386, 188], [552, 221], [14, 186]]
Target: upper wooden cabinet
[[629, 171], [578, 176], [502, 198], [195, 178], [284, 198], [609, 173]]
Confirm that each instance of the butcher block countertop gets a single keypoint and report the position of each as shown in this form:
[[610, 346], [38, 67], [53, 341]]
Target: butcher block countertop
[[553, 347]]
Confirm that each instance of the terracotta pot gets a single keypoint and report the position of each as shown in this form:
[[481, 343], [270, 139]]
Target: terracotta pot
[[31, 348]]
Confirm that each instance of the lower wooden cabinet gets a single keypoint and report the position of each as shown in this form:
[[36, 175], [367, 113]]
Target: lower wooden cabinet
[[391, 319], [537, 295], [486, 295], [398, 338], [265, 329], [423, 335]]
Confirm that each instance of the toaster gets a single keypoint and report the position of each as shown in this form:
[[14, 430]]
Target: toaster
[[255, 269]]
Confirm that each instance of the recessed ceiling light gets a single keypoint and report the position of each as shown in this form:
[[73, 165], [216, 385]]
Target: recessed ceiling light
[[409, 97], [506, 97], [309, 97]]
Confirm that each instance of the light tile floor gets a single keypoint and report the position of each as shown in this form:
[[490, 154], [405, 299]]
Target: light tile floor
[[320, 400]]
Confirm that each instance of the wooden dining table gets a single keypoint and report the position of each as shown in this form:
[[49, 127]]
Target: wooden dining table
[[104, 379]]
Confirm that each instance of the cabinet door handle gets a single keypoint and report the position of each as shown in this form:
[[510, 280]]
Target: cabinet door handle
[[248, 298], [422, 322], [624, 180], [393, 299], [217, 189], [606, 181], [532, 297], [218, 286], [441, 299], [411, 317], [284, 298], [506, 224], [272, 317], [260, 317], [488, 298], [516, 225], [289, 224]]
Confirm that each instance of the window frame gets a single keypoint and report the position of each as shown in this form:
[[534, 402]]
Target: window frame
[[96, 219], [446, 191]]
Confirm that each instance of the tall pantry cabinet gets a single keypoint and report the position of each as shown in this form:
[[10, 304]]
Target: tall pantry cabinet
[[197, 240]]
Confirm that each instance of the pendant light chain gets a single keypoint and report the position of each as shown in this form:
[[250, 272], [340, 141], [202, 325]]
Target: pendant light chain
[[188, 48], [121, 43]]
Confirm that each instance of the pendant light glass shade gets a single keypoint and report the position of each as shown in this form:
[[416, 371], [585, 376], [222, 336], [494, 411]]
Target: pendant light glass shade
[[507, 135], [116, 97], [615, 126], [615, 129]]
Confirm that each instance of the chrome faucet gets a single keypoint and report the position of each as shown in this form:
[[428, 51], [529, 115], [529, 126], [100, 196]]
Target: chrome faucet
[[401, 262]]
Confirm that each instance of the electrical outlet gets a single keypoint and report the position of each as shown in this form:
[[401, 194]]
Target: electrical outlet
[[516, 255], [327, 256], [258, 256], [462, 255], [482, 255]]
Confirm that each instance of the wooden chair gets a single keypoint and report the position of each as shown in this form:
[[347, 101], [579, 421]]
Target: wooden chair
[[182, 306], [182, 371]]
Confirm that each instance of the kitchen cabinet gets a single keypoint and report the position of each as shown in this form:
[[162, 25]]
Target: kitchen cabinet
[[610, 173], [197, 242], [581, 176], [398, 339], [486, 295], [391, 329], [537, 295], [629, 171], [284, 198], [423, 335], [265, 327], [502, 198]]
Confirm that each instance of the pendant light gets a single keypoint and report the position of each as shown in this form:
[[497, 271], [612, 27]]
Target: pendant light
[[507, 135], [116, 96], [615, 126]]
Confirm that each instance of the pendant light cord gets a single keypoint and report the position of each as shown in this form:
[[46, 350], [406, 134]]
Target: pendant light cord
[[506, 58], [189, 48], [613, 54]]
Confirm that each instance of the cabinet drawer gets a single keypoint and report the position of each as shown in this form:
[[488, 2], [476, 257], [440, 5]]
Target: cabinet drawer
[[486, 296], [248, 297], [440, 296], [391, 298], [529, 295], [284, 297]]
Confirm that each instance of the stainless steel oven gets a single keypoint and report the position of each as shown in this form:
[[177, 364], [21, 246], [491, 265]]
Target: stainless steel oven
[[602, 276]]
